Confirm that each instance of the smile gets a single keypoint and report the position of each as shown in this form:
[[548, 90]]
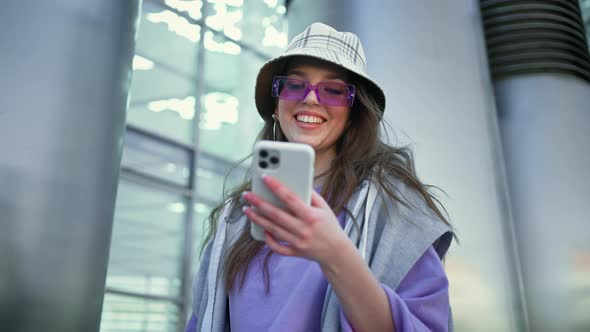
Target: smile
[[309, 119]]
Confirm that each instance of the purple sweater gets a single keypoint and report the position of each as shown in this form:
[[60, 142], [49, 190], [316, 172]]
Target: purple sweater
[[298, 286]]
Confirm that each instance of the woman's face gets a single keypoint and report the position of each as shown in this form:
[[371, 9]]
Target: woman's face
[[307, 121]]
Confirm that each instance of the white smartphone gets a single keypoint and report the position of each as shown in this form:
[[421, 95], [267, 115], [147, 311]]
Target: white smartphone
[[290, 163]]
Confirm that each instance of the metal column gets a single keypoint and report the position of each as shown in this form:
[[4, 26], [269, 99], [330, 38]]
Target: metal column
[[541, 68], [65, 69]]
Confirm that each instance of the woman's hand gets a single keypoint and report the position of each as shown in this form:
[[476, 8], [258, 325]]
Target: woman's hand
[[311, 232]]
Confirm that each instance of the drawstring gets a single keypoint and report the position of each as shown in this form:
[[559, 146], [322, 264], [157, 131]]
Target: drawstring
[[371, 194]]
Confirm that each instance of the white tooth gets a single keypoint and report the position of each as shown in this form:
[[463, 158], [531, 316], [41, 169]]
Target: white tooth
[[309, 119]]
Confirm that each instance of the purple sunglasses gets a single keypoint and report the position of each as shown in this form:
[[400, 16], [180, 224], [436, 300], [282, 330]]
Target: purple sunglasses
[[327, 93]]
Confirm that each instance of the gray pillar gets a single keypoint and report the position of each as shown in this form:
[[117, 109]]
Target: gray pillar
[[430, 58], [66, 68], [544, 121], [541, 69]]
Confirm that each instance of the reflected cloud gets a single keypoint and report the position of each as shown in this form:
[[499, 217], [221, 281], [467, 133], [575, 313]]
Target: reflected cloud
[[177, 24], [221, 47], [226, 21], [184, 107], [219, 108], [271, 3], [274, 38], [177, 207], [201, 208], [233, 3], [205, 173], [185, 172], [141, 63], [191, 7], [171, 167]]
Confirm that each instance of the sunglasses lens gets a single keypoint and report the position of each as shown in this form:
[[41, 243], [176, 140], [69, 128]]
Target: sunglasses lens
[[335, 94], [292, 89]]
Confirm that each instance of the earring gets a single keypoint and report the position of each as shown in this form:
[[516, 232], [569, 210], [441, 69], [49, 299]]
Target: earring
[[274, 127]]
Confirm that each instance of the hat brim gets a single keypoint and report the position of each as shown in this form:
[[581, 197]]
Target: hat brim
[[265, 102]]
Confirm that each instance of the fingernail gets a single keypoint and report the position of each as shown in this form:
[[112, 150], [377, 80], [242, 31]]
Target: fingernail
[[244, 208]]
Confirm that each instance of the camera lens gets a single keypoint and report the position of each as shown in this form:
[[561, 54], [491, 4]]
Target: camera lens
[[263, 164], [263, 153], [274, 160]]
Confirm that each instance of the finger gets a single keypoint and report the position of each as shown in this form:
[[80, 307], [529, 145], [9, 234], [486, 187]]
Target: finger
[[269, 226], [242, 201], [317, 200], [275, 214], [275, 246], [293, 203]]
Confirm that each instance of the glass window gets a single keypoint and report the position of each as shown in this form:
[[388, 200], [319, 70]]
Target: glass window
[[130, 314], [146, 257], [212, 172], [260, 24], [229, 121], [164, 73], [153, 157], [169, 38], [164, 103], [146, 247]]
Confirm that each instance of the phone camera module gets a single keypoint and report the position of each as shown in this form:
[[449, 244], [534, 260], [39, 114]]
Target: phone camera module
[[274, 160], [263, 164], [263, 153]]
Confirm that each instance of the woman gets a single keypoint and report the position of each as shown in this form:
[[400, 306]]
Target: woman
[[366, 255]]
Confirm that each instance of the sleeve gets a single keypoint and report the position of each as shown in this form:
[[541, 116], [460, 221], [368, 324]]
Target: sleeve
[[191, 326], [421, 301]]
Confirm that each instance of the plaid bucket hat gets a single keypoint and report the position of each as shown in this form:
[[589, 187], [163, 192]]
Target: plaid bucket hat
[[323, 42]]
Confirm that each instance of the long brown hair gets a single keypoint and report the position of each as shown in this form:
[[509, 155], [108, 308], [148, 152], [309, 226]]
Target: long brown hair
[[362, 155]]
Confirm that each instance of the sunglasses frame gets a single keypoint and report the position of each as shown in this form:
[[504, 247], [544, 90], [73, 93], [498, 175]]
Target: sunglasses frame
[[309, 87]]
